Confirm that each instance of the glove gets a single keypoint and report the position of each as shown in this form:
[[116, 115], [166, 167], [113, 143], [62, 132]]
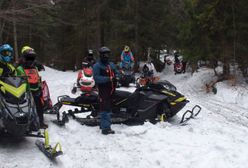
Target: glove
[[74, 90]]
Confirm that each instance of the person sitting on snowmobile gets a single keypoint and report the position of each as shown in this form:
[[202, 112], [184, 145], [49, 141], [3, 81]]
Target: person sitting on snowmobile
[[28, 67], [6, 68], [105, 76], [85, 80], [90, 58], [127, 58]]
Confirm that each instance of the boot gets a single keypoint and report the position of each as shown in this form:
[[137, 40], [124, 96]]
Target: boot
[[43, 125], [108, 131]]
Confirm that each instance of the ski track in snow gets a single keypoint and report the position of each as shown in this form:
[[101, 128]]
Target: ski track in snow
[[216, 138]]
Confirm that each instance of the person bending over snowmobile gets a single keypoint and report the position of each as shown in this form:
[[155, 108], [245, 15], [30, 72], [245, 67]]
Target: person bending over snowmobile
[[28, 67], [6, 68], [105, 75], [90, 58], [127, 58]]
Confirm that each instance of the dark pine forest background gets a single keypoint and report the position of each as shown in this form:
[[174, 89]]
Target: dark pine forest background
[[61, 31]]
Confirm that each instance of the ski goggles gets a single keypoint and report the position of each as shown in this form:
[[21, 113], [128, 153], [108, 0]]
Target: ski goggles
[[6, 53], [106, 55]]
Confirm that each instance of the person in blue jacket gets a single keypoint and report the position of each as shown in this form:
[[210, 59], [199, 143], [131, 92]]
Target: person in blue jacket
[[127, 58], [105, 74]]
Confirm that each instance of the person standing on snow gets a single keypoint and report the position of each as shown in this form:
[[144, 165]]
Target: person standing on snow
[[127, 58], [6, 55], [105, 77], [28, 67]]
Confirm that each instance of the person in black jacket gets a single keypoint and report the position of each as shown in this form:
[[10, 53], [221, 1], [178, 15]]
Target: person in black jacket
[[90, 58], [104, 76]]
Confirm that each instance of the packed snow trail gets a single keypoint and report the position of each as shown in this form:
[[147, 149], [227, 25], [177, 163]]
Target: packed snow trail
[[211, 140]]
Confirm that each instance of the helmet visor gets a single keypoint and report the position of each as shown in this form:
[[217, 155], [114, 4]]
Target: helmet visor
[[105, 55], [6, 53]]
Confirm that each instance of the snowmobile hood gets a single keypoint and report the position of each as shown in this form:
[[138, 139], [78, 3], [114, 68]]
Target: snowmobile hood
[[15, 88]]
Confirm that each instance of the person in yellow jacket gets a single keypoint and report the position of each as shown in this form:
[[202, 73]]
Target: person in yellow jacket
[[28, 67], [6, 56]]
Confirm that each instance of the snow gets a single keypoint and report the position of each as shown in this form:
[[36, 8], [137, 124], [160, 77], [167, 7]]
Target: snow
[[217, 138]]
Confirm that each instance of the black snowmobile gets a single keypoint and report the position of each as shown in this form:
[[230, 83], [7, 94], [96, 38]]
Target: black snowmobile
[[153, 102], [18, 117], [18, 113], [127, 75]]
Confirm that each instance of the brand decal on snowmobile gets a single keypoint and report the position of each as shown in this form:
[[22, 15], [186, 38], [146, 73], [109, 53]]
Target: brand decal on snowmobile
[[17, 92], [169, 93]]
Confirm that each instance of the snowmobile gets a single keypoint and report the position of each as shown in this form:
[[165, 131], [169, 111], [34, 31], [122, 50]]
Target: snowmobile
[[153, 102], [127, 76], [18, 117], [18, 113]]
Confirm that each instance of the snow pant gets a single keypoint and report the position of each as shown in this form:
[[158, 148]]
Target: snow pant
[[131, 64], [105, 107], [38, 103], [105, 122]]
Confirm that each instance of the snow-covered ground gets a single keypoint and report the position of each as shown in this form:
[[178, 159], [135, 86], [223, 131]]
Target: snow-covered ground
[[216, 139]]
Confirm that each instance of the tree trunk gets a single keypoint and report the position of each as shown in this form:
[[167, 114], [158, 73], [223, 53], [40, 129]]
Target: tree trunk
[[15, 40], [1, 31], [136, 46]]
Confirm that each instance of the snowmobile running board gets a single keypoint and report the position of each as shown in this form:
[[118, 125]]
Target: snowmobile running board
[[47, 149]]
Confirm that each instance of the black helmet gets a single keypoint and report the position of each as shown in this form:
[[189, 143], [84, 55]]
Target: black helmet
[[104, 54], [85, 64], [104, 50], [28, 54], [90, 52]]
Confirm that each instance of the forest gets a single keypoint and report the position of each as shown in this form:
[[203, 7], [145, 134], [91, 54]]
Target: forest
[[61, 31]]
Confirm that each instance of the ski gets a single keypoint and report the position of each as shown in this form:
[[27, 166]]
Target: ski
[[48, 150], [196, 110], [190, 114]]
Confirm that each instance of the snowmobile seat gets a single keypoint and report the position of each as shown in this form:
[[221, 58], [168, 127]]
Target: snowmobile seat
[[122, 94], [68, 99], [87, 98]]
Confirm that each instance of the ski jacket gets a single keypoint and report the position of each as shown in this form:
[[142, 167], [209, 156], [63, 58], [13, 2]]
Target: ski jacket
[[105, 76], [7, 69], [127, 57], [85, 80], [34, 79]]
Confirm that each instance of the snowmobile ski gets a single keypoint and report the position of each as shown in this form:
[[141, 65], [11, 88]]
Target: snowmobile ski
[[48, 150], [196, 110], [61, 122], [190, 114], [185, 118]]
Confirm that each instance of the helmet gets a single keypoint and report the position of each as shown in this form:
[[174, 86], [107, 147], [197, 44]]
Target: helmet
[[85, 64], [6, 52], [90, 52], [28, 54], [104, 54], [126, 49]]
